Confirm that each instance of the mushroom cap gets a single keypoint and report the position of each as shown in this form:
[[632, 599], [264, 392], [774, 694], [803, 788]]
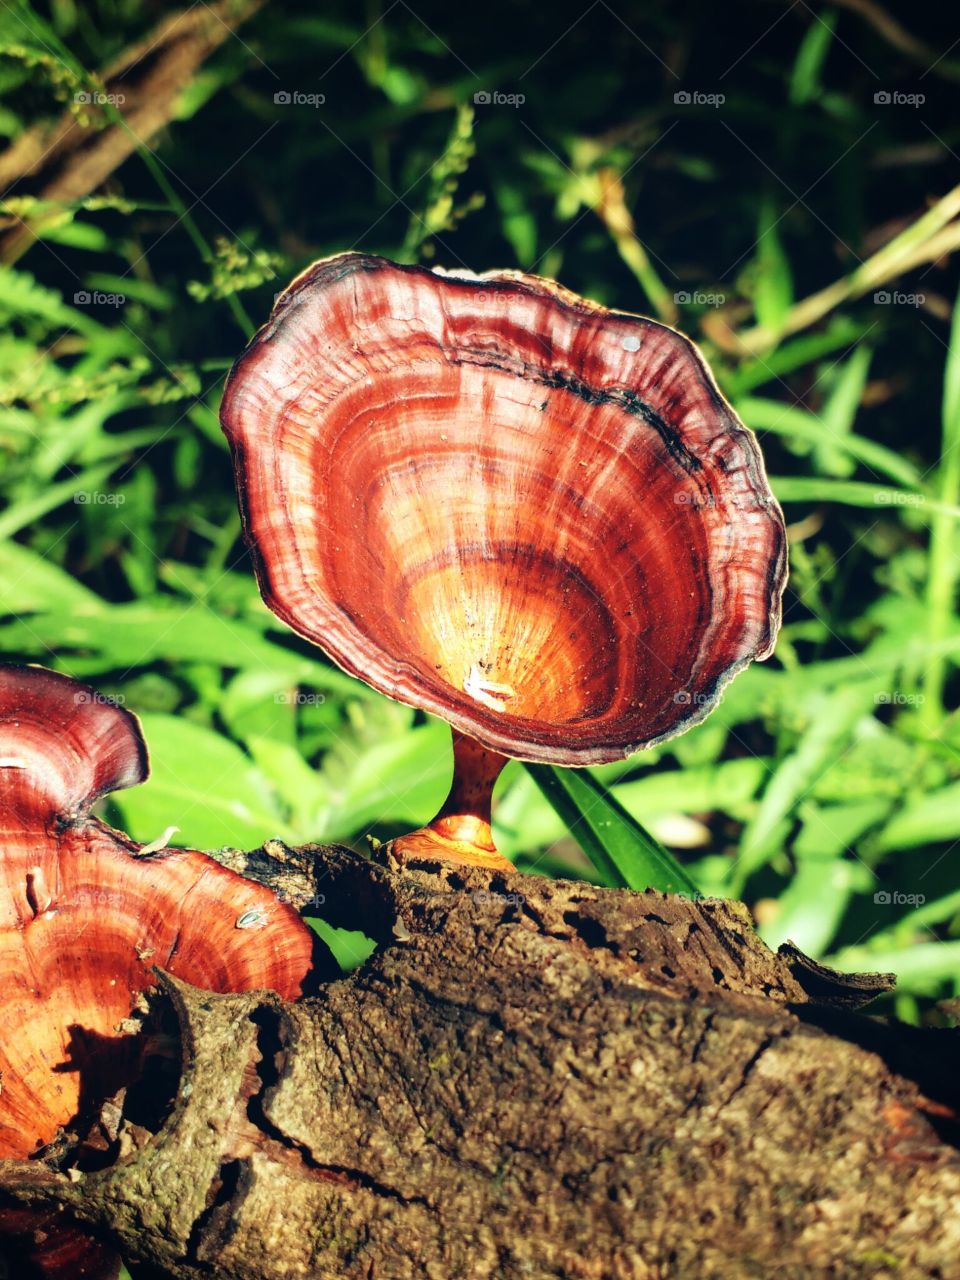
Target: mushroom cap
[[84, 920], [491, 499], [62, 745]]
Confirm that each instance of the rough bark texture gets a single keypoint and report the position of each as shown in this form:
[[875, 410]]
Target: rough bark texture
[[537, 1079]]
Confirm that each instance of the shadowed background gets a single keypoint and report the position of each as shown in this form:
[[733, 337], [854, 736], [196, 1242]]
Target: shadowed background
[[780, 183]]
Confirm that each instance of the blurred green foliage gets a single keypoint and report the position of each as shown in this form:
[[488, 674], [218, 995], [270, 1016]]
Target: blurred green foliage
[[791, 224]]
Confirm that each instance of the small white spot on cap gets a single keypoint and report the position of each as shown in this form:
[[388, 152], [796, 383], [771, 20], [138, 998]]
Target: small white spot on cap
[[631, 343], [487, 692]]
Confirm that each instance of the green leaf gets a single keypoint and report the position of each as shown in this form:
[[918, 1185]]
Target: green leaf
[[921, 968], [951, 386], [203, 784], [198, 91], [798, 425], [350, 947], [301, 788], [828, 830], [840, 410], [402, 86], [517, 223], [77, 488], [905, 928], [805, 80], [259, 703], [618, 846], [942, 566], [398, 781], [855, 493], [102, 637], [813, 905], [727, 788], [773, 290], [829, 733], [839, 333], [524, 821], [145, 291], [75, 235], [926, 819], [21, 297], [30, 582]]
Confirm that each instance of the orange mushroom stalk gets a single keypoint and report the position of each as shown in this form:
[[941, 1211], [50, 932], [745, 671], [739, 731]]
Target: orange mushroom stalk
[[506, 505], [85, 915]]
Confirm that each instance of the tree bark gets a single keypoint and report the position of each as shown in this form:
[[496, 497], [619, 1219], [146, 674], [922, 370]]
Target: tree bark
[[533, 1078]]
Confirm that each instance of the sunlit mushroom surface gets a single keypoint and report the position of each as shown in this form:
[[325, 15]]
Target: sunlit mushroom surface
[[506, 505], [85, 915]]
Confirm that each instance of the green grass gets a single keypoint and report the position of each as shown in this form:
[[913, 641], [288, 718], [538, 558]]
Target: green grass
[[827, 776]]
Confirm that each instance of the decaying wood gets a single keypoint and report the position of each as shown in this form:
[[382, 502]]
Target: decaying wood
[[534, 1078]]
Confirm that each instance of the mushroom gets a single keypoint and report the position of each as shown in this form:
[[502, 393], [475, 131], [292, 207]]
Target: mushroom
[[508, 506], [84, 918]]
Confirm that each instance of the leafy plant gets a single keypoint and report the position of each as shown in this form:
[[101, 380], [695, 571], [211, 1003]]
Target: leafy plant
[[778, 227]]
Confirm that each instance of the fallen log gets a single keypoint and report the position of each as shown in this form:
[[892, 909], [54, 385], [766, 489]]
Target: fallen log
[[529, 1078]]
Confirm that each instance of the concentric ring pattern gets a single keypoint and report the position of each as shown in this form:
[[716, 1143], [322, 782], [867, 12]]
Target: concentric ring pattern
[[85, 917], [531, 516]]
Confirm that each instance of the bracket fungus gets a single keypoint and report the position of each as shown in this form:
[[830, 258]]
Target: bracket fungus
[[85, 916], [506, 505]]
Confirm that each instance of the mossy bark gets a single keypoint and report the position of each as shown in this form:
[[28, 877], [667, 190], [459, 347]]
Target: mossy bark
[[535, 1079]]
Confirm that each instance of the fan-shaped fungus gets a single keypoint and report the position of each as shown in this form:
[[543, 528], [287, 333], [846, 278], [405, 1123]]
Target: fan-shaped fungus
[[491, 499], [83, 919]]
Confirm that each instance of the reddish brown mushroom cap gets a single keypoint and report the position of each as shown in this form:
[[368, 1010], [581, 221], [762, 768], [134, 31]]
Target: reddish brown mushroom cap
[[83, 921], [488, 498], [62, 746]]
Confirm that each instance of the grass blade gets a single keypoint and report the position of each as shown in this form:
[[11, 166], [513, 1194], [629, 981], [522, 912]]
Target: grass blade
[[618, 846], [824, 741], [857, 493], [942, 572], [798, 425]]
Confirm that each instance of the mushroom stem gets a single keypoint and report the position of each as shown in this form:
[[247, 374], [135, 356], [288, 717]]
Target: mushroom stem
[[465, 814], [461, 830]]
